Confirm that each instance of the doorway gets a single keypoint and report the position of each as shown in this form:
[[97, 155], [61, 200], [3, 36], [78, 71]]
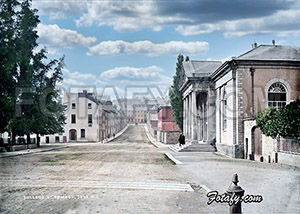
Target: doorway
[[73, 135], [256, 136]]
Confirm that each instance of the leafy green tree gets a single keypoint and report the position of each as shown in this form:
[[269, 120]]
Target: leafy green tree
[[284, 122], [291, 119], [26, 42], [32, 78], [176, 96], [8, 61], [270, 122]]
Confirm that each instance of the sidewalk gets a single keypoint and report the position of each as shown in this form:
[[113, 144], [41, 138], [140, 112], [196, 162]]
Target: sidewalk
[[278, 184], [117, 135], [157, 144], [42, 148], [53, 146]]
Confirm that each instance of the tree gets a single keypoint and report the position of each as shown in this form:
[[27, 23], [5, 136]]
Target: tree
[[283, 122], [8, 61], [176, 96], [34, 79], [269, 121], [291, 119]]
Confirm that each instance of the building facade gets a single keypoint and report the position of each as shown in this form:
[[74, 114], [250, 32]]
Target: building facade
[[265, 76], [83, 117], [167, 129], [88, 119]]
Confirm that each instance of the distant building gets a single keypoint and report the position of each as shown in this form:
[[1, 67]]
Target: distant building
[[88, 119], [83, 117], [167, 129], [152, 121]]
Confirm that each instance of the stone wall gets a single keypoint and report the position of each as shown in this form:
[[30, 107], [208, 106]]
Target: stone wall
[[168, 137]]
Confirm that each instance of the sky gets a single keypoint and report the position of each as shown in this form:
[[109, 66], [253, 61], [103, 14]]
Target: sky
[[122, 48]]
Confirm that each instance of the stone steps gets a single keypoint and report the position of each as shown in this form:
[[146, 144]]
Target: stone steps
[[177, 148], [193, 148]]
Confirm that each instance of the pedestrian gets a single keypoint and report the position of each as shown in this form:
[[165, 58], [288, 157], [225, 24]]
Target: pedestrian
[[181, 139]]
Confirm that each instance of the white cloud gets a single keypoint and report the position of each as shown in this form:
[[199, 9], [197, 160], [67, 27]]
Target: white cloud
[[282, 23], [148, 48], [60, 9], [72, 82], [79, 76], [56, 36], [127, 15], [233, 18], [140, 76], [76, 78], [50, 50]]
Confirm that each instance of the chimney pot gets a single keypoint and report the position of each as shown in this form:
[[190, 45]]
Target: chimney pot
[[254, 45]]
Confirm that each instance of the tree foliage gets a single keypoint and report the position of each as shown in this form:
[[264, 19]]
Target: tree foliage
[[29, 98], [284, 122], [176, 96], [291, 120], [269, 121]]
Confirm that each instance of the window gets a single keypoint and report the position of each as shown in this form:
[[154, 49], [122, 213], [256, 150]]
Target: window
[[90, 106], [90, 119], [82, 132], [73, 105], [277, 95], [73, 118]]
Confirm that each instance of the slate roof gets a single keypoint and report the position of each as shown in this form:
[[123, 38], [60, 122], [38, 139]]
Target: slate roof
[[89, 96], [200, 67], [272, 52]]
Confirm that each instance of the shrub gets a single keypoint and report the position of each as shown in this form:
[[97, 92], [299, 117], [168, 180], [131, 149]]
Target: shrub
[[270, 122], [284, 122], [291, 119]]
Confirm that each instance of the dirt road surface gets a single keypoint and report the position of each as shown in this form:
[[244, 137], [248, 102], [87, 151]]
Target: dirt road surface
[[127, 175]]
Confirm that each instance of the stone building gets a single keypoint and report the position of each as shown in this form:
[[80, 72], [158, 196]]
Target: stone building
[[83, 116], [199, 101], [152, 121], [265, 76], [88, 119]]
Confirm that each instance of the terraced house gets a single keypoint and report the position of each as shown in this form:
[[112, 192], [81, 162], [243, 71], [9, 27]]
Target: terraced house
[[221, 100], [88, 119]]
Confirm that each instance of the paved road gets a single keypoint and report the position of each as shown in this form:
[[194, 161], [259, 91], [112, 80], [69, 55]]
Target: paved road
[[127, 175]]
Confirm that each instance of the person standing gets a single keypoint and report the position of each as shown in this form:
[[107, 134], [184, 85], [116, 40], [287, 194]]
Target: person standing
[[181, 139]]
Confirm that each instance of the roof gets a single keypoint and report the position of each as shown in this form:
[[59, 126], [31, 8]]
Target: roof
[[200, 67], [90, 96], [272, 52], [109, 108]]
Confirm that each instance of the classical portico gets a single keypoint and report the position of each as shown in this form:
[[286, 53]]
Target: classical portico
[[198, 101]]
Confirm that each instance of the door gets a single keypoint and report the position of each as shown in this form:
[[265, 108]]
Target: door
[[257, 143], [73, 135]]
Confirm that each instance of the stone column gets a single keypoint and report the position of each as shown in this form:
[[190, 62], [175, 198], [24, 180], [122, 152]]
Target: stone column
[[194, 116], [184, 116], [189, 117]]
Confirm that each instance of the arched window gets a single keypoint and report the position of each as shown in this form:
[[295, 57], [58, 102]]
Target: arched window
[[277, 95]]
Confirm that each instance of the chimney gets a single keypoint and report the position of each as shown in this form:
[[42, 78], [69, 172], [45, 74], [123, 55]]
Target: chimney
[[254, 45], [273, 42]]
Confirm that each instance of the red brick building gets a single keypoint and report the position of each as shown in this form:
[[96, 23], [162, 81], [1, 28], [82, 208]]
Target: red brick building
[[168, 131]]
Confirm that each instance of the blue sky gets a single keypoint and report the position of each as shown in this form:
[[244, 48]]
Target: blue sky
[[136, 43]]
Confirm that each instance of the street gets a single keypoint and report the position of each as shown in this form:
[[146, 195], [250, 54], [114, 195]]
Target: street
[[127, 175], [130, 175]]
